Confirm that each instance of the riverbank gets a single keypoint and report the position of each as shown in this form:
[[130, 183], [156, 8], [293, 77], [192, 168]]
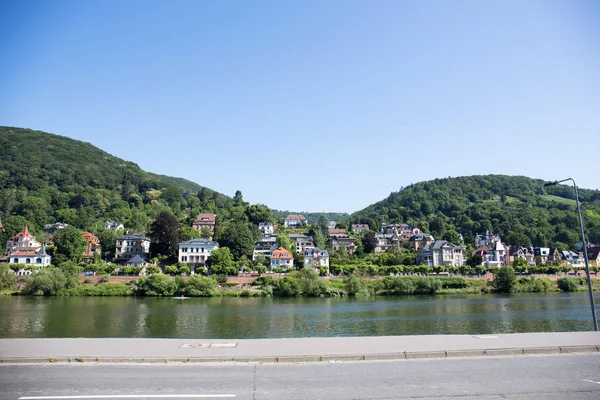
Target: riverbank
[[303, 283], [295, 350]]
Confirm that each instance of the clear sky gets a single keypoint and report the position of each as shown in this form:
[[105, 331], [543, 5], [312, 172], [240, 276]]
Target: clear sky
[[323, 105]]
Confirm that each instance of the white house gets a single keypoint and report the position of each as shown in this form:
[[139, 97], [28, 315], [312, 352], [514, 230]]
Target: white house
[[266, 228], [266, 246], [108, 225], [314, 258], [195, 252], [440, 253], [359, 227], [293, 220], [24, 249], [129, 246], [281, 258]]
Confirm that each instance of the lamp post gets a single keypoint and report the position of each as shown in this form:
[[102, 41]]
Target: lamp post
[[585, 254]]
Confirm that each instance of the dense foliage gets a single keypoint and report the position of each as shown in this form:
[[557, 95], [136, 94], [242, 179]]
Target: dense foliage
[[520, 209]]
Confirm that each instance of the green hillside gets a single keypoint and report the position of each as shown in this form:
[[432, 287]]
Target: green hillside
[[520, 209], [47, 178]]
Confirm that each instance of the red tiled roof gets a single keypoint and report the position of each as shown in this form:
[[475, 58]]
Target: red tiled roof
[[24, 233], [295, 217], [336, 231], [206, 217], [282, 253], [91, 237], [24, 253]]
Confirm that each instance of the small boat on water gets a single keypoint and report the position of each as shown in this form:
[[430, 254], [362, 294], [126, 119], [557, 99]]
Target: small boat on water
[[181, 298]]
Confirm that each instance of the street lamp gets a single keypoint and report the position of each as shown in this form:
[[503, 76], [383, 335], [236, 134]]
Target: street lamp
[[585, 254]]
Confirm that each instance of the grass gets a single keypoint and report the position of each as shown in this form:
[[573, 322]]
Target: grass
[[557, 199]]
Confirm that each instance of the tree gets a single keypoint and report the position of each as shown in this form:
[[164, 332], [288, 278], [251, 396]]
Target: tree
[[285, 242], [505, 280], [69, 245], [475, 260], [239, 239], [108, 240], [164, 233], [206, 233], [238, 199], [323, 224], [452, 236], [370, 242], [221, 261], [257, 213], [188, 233]]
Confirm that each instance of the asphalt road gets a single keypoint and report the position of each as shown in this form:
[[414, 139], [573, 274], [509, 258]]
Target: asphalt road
[[517, 377]]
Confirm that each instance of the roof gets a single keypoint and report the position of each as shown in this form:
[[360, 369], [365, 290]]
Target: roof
[[24, 233], [366, 226], [265, 224], [282, 253], [55, 225], [206, 217], [295, 217], [336, 231], [24, 253], [593, 252], [133, 236], [90, 237], [136, 260], [199, 242], [298, 236]]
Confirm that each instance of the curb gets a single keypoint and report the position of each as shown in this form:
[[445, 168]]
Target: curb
[[310, 358]]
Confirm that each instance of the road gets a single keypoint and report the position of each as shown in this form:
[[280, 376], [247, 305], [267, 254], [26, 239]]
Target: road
[[547, 377]]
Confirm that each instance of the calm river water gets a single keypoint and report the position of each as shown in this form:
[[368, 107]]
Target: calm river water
[[244, 318]]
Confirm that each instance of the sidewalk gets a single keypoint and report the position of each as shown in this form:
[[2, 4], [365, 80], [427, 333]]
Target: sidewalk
[[296, 349]]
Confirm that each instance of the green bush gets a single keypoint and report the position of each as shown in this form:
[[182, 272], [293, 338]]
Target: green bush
[[453, 283], [103, 289], [157, 285], [201, 286], [568, 284], [49, 282], [505, 280]]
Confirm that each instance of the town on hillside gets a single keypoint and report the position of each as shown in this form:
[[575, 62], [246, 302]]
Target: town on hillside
[[325, 247]]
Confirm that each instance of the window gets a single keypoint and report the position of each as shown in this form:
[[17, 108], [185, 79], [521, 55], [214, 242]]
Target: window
[[28, 261], [16, 260], [38, 260]]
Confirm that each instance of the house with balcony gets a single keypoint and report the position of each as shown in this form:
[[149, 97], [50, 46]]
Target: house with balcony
[[205, 220], [131, 245], [495, 256], [294, 220], [525, 253], [282, 258], [440, 253], [195, 252], [541, 255], [337, 241], [266, 246], [315, 258]]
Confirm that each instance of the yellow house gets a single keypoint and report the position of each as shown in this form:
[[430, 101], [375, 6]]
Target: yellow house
[[594, 256]]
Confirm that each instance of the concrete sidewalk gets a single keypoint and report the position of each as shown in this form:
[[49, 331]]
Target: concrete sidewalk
[[296, 349]]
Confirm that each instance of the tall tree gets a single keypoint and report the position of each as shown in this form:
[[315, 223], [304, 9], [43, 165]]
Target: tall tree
[[238, 238], [221, 262], [369, 242], [69, 245], [238, 198], [164, 233]]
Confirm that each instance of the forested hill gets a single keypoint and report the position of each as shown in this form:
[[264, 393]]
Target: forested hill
[[47, 178], [312, 217], [520, 209]]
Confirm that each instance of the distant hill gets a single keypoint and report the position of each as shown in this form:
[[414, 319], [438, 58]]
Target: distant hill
[[520, 209], [46, 178]]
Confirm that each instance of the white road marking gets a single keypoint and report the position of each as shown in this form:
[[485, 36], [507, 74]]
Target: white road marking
[[587, 380], [134, 396]]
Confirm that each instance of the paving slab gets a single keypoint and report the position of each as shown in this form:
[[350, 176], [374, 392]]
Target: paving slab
[[297, 349]]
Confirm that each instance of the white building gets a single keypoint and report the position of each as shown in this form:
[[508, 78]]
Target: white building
[[314, 258], [266, 247], [440, 253], [293, 220], [129, 246], [24, 249], [195, 252], [281, 258], [108, 225], [266, 228]]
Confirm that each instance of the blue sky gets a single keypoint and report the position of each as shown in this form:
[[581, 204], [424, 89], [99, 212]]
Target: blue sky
[[313, 105]]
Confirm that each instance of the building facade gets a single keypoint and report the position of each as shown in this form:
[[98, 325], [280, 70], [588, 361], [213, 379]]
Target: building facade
[[131, 245], [315, 258], [196, 252], [293, 220], [281, 258], [440, 253], [266, 228], [205, 220]]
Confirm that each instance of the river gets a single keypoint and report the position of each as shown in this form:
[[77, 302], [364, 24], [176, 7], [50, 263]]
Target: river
[[246, 318]]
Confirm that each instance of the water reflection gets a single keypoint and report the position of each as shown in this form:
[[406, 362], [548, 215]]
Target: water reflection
[[229, 318]]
